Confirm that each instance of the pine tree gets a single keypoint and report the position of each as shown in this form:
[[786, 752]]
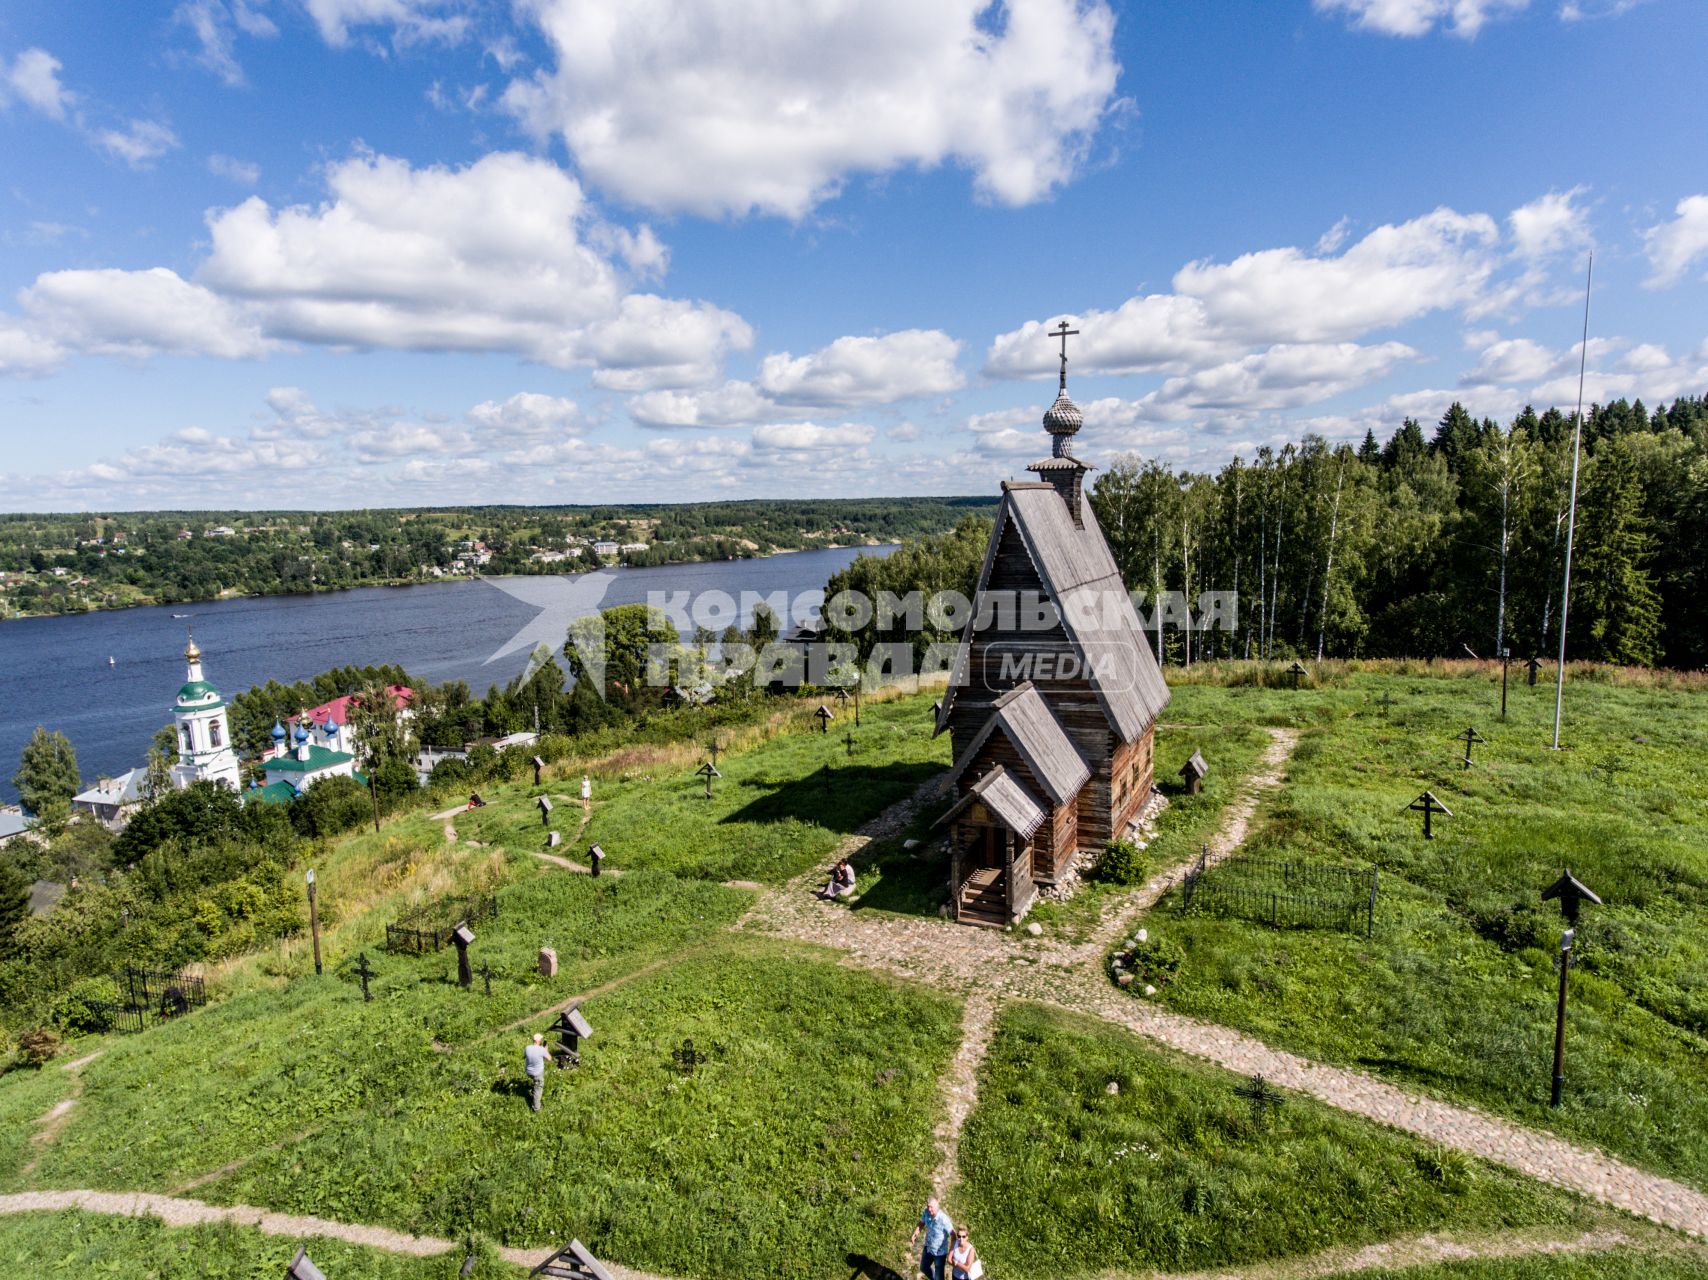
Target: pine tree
[[1616, 610], [14, 905]]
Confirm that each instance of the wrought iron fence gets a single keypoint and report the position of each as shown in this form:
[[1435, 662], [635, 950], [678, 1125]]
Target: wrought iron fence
[[428, 927], [1279, 893], [161, 993], [106, 1016]]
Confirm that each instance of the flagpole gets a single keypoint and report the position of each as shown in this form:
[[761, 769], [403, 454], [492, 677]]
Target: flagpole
[[1572, 514]]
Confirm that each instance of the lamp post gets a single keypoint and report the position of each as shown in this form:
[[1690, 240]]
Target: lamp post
[[314, 921]]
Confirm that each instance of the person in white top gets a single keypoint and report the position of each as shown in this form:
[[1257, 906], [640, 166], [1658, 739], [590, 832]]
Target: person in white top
[[964, 1261], [586, 787]]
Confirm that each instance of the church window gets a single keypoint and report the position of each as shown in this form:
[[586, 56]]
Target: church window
[[189, 739], [213, 733]]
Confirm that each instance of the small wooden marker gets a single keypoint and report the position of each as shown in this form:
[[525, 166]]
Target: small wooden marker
[[1427, 804]]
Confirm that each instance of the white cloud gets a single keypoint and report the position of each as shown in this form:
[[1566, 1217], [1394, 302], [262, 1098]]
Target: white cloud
[[211, 24], [1674, 247], [1419, 17], [140, 143], [660, 342], [731, 106], [527, 415], [412, 21], [26, 352], [1589, 10], [1509, 361], [861, 370], [490, 257], [1219, 310], [242, 172], [138, 313], [733, 404], [810, 437], [1550, 224], [1283, 377], [33, 79]]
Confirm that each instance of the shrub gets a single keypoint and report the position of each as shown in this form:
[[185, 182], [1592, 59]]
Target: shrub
[[1155, 961], [1447, 1167], [75, 1009], [1122, 863], [39, 1047]]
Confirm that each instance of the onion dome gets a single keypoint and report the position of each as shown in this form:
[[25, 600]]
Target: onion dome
[[278, 732], [302, 734], [1062, 420], [192, 651]]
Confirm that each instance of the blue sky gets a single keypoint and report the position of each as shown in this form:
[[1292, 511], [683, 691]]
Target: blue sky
[[395, 252]]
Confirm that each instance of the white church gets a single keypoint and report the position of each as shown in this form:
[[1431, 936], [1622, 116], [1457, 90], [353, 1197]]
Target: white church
[[205, 753]]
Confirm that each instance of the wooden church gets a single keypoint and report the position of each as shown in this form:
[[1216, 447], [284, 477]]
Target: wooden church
[[1051, 710]]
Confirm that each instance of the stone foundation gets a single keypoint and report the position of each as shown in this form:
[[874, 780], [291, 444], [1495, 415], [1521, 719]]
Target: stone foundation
[[1140, 831]]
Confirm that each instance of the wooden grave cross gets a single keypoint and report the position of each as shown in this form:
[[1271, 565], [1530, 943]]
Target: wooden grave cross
[[825, 716], [1468, 737], [708, 771], [850, 741], [1264, 1100], [364, 971], [1428, 805], [1295, 673], [1385, 701]]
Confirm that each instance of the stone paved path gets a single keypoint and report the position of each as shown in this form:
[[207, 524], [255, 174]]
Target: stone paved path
[[176, 1211], [1003, 965]]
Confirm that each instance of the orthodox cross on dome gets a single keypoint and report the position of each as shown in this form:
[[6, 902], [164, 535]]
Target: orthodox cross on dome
[[1064, 333]]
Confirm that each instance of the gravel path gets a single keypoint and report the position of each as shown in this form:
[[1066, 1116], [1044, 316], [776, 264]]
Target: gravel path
[[1000, 965]]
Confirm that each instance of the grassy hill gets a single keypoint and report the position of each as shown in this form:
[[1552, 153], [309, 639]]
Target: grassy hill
[[807, 1132]]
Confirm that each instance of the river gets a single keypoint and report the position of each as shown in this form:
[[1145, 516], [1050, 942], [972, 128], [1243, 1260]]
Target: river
[[54, 671]]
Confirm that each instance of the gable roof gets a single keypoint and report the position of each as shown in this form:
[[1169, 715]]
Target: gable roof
[[122, 790], [338, 710], [1038, 736], [1003, 795], [1079, 576]]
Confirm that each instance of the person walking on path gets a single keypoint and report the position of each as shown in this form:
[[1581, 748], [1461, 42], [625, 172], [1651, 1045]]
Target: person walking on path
[[937, 1228], [534, 1059], [586, 789], [964, 1261]]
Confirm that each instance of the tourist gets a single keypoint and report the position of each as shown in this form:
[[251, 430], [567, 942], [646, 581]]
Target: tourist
[[586, 789], [841, 881], [534, 1059], [964, 1261], [934, 1252]]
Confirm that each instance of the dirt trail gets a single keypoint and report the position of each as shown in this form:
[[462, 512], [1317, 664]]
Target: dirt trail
[[961, 1089]]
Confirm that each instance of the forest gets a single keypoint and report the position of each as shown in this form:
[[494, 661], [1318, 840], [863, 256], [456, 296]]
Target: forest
[[1445, 544]]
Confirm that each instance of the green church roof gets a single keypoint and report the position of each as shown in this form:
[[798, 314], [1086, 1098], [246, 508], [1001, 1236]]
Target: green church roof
[[318, 758], [280, 792], [195, 691]]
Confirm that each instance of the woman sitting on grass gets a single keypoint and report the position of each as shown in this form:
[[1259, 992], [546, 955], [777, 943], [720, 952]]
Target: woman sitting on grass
[[841, 882]]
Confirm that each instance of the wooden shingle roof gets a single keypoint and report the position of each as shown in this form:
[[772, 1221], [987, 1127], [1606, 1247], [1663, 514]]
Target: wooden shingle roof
[[1002, 793], [1038, 736], [1079, 576]]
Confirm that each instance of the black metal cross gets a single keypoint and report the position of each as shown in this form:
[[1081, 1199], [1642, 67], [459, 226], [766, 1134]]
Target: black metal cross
[[364, 971], [1468, 737], [687, 1057], [1427, 804], [1064, 333], [1294, 673], [1263, 1099], [1385, 701]]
